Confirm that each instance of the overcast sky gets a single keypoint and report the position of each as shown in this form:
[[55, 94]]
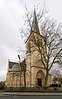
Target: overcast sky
[[11, 19]]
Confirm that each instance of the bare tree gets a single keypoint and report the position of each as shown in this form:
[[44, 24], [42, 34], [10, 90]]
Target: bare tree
[[53, 39], [57, 76]]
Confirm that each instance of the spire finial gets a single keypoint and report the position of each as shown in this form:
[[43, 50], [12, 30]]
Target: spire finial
[[34, 10], [34, 7]]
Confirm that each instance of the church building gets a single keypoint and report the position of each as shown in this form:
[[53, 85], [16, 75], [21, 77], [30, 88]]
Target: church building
[[31, 68]]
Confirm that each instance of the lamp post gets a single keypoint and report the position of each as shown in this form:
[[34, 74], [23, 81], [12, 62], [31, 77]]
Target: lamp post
[[20, 69], [24, 72], [24, 80]]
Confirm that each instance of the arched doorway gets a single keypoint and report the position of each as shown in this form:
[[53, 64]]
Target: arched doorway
[[39, 82], [40, 78]]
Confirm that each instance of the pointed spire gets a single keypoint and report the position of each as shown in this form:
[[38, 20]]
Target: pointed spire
[[35, 27]]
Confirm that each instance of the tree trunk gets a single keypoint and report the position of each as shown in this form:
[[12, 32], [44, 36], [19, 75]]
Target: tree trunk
[[46, 79], [24, 80]]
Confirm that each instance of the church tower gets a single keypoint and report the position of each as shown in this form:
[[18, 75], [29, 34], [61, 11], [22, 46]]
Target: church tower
[[35, 74]]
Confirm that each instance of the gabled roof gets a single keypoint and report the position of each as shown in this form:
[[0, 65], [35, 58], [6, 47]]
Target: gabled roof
[[14, 67], [38, 35], [11, 64]]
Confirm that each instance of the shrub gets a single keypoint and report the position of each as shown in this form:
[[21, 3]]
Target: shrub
[[55, 85]]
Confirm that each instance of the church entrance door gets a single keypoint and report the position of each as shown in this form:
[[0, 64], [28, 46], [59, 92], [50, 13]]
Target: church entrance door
[[40, 78], [39, 82]]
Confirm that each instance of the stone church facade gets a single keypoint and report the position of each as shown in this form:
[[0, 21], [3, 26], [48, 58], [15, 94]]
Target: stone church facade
[[35, 71]]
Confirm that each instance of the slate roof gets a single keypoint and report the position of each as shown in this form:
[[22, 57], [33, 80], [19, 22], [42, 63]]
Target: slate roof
[[11, 64], [16, 67], [35, 27]]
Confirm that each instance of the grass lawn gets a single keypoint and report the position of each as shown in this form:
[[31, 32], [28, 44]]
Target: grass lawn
[[34, 89]]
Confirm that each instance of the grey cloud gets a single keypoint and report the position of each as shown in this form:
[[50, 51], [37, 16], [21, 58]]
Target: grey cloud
[[10, 21]]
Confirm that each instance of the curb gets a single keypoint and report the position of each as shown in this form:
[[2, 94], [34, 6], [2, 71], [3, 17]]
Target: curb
[[32, 94]]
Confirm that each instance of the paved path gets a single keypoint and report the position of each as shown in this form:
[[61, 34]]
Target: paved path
[[30, 97], [29, 94]]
